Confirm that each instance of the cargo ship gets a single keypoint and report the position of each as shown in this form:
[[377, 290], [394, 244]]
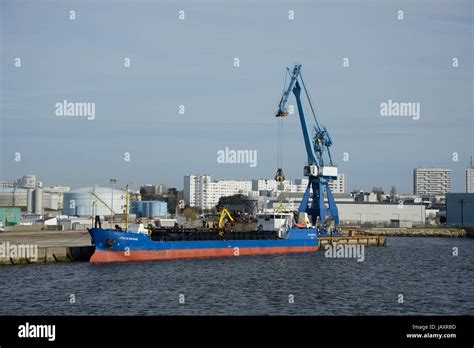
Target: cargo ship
[[138, 243], [315, 217]]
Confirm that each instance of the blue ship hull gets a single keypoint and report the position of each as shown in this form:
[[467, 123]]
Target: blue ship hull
[[119, 246]]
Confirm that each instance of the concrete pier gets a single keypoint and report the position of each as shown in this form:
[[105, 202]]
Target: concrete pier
[[414, 232], [18, 248], [354, 240]]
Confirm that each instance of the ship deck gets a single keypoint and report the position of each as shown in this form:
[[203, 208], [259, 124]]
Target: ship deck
[[179, 234]]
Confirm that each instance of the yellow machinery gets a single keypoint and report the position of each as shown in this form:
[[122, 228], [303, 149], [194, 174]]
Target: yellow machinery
[[224, 213], [221, 226]]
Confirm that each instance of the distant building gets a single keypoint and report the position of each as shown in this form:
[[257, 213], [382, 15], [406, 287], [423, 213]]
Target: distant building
[[201, 191], [13, 197], [28, 192], [470, 180], [272, 185], [340, 184], [153, 189], [27, 181], [292, 200], [337, 186], [431, 181], [56, 194], [33, 201], [460, 209], [297, 185], [367, 197], [7, 183]]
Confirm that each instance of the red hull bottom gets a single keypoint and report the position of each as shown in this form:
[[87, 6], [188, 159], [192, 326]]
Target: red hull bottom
[[159, 255]]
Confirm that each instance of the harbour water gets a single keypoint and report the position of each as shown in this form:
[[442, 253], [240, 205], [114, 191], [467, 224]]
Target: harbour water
[[409, 276]]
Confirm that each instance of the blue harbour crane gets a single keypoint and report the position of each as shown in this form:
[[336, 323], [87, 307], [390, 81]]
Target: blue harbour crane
[[320, 168]]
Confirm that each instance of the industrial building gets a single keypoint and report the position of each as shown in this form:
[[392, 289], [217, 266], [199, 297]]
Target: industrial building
[[354, 213], [33, 201], [27, 181], [460, 209], [29, 194], [95, 200], [383, 213], [431, 181]]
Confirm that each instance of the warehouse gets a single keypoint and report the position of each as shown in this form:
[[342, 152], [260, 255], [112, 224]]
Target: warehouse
[[364, 213], [385, 213]]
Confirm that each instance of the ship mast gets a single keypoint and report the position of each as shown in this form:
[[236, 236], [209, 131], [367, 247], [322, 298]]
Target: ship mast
[[126, 208]]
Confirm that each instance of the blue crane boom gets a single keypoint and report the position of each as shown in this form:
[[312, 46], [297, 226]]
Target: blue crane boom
[[320, 168]]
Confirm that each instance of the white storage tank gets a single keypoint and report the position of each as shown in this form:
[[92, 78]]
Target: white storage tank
[[95, 200]]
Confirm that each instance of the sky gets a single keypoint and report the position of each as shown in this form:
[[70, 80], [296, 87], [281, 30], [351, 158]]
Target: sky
[[190, 62]]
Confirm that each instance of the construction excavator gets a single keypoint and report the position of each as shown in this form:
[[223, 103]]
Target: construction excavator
[[221, 226]]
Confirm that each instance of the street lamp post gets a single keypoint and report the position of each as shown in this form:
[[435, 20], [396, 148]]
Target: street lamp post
[[421, 214], [112, 213], [93, 212]]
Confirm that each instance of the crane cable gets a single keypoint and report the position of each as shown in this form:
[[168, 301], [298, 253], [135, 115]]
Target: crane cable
[[309, 101], [280, 132], [279, 177]]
